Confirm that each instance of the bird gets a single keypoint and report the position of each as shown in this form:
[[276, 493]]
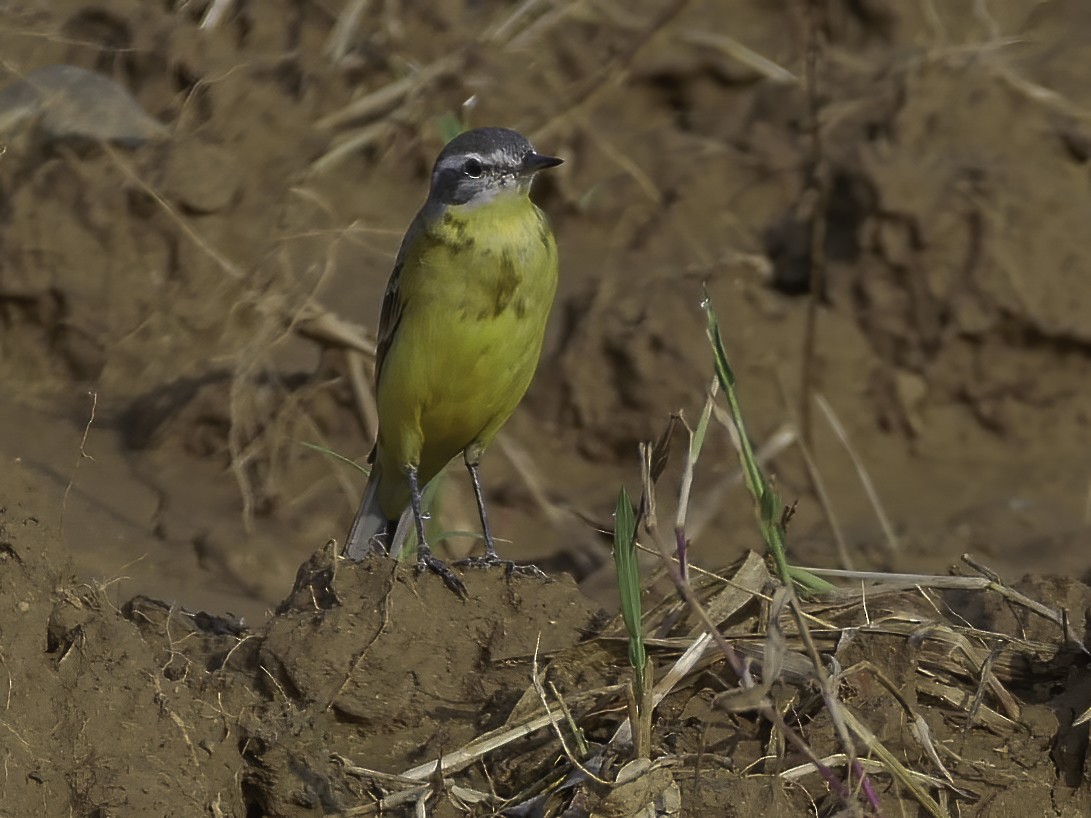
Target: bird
[[460, 334]]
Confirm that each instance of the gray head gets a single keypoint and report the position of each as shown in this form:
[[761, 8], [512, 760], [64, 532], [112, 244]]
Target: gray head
[[478, 165]]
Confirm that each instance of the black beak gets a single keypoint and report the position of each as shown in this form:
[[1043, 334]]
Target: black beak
[[534, 162]]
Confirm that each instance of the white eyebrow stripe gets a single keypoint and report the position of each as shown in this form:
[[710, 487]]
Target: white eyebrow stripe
[[491, 159]]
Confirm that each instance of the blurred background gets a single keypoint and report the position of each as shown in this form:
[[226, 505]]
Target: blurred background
[[887, 203]]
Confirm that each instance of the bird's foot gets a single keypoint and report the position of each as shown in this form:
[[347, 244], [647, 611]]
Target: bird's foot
[[492, 560], [426, 561]]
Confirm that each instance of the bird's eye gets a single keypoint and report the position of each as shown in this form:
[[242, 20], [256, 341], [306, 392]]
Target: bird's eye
[[473, 169]]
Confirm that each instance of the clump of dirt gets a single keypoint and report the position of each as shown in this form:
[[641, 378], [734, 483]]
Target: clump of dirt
[[97, 719], [151, 709], [368, 677]]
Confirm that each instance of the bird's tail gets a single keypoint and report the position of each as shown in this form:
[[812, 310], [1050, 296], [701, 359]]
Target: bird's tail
[[371, 529]]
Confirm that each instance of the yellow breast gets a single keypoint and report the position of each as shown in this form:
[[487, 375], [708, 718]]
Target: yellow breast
[[476, 289]]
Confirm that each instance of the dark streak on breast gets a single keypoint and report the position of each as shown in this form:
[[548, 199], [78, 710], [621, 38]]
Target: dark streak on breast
[[545, 236], [505, 289], [507, 284], [457, 238]]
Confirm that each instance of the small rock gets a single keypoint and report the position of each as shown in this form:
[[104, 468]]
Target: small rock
[[68, 102]]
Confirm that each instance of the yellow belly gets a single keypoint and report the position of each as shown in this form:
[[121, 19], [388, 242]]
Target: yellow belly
[[468, 341]]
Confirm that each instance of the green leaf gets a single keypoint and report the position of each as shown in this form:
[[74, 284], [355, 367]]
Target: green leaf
[[767, 505], [628, 579], [723, 368], [449, 126]]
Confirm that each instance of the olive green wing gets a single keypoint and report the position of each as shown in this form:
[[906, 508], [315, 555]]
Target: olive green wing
[[393, 308]]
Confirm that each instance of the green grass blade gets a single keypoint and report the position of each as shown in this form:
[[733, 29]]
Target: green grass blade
[[628, 580], [449, 126], [766, 500]]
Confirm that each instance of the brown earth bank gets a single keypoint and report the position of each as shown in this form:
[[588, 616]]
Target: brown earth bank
[[372, 691], [188, 280]]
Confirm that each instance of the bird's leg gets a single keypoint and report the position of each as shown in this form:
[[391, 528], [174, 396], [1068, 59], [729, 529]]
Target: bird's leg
[[491, 557], [472, 456], [426, 560]]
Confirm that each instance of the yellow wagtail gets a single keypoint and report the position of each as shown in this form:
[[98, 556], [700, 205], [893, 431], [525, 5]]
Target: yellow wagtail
[[460, 332]]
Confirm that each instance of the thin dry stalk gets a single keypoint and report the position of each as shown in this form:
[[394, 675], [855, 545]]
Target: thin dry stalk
[[761, 704], [316, 323], [613, 73], [1056, 616], [818, 484], [364, 138], [693, 451], [827, 687], [555, 722], [899, 582], [826, 503], [521, 16], [553, 17], [745, 585], [80, 457], [1083, 718], [892, 765], [495, 739], [712, 501], [796, 773], [957, 698], [383, 100], [340, 40], [523, 463], [739, 52], [202, 244], [363, 394], [918, 726], [817, 196], [627, 165], [861, 471], [216, 13]]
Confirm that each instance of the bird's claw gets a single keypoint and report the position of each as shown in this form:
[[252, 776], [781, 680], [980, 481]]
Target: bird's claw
[[428, 562], [510, 566]]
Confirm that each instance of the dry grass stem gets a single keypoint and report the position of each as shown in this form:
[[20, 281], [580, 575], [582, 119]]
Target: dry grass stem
[[818, 484], [555, 720], [861, 471], [737, 51], [385, 99], [366, 137], [826, 503], [183, 224], [711, 502], [612, 73], [340, 40], [495, 739], [523, 463], [319, 324], [80, 457], [217, 12]]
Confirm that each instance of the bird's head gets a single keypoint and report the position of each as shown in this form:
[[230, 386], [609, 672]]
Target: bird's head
[[479, 165]]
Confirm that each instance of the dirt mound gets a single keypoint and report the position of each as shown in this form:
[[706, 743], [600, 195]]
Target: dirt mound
[[150, 709], [368, 677], [96, 719]]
